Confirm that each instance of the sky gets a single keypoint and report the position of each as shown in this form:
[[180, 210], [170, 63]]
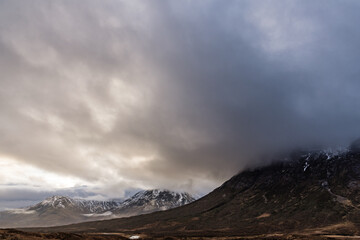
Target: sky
[[99, 99]]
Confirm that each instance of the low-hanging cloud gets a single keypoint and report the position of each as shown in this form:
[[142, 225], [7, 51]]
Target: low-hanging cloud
[[176, 94]]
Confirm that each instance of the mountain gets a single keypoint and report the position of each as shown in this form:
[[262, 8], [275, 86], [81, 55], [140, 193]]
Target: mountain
[[152, 200], [59, 210], [79, 205], [306, 193]]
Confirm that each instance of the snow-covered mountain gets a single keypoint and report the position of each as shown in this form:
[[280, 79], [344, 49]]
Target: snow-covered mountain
[[81, 205], [59, 210], [151, 201]]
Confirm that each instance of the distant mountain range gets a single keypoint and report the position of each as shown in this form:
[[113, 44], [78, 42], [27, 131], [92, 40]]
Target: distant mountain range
[[312, 193], [59, 210]]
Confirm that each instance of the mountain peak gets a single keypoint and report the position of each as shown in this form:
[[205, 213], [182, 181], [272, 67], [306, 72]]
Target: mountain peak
[[57, 201], [158, 192], [160, 197], [147, 201]]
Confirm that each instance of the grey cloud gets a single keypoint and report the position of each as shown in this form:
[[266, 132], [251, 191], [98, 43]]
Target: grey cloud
[[30, 193], [199, 89], [15, 196]]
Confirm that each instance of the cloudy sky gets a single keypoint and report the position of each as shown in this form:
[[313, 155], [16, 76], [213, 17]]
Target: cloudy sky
[[101, 98]]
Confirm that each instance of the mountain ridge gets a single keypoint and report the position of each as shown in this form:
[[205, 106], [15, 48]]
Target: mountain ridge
[[57, 210]]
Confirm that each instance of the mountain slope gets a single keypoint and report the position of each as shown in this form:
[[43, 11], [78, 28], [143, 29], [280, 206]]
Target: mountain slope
[[312, 191], [60, 210]]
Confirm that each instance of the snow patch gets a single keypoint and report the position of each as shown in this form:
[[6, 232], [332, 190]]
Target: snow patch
[[134, 237], [108, 213], [306, 166]]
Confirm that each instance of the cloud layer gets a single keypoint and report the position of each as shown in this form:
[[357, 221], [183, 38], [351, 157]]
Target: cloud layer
[[178, 94]]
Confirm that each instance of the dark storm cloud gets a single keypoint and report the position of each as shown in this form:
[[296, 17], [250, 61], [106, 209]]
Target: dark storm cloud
[[178, 94]]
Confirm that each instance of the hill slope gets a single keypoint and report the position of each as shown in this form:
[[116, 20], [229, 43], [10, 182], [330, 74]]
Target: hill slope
[[316, 191]]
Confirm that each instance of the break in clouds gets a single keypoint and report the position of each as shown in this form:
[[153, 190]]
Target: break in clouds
[[118, 95]]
